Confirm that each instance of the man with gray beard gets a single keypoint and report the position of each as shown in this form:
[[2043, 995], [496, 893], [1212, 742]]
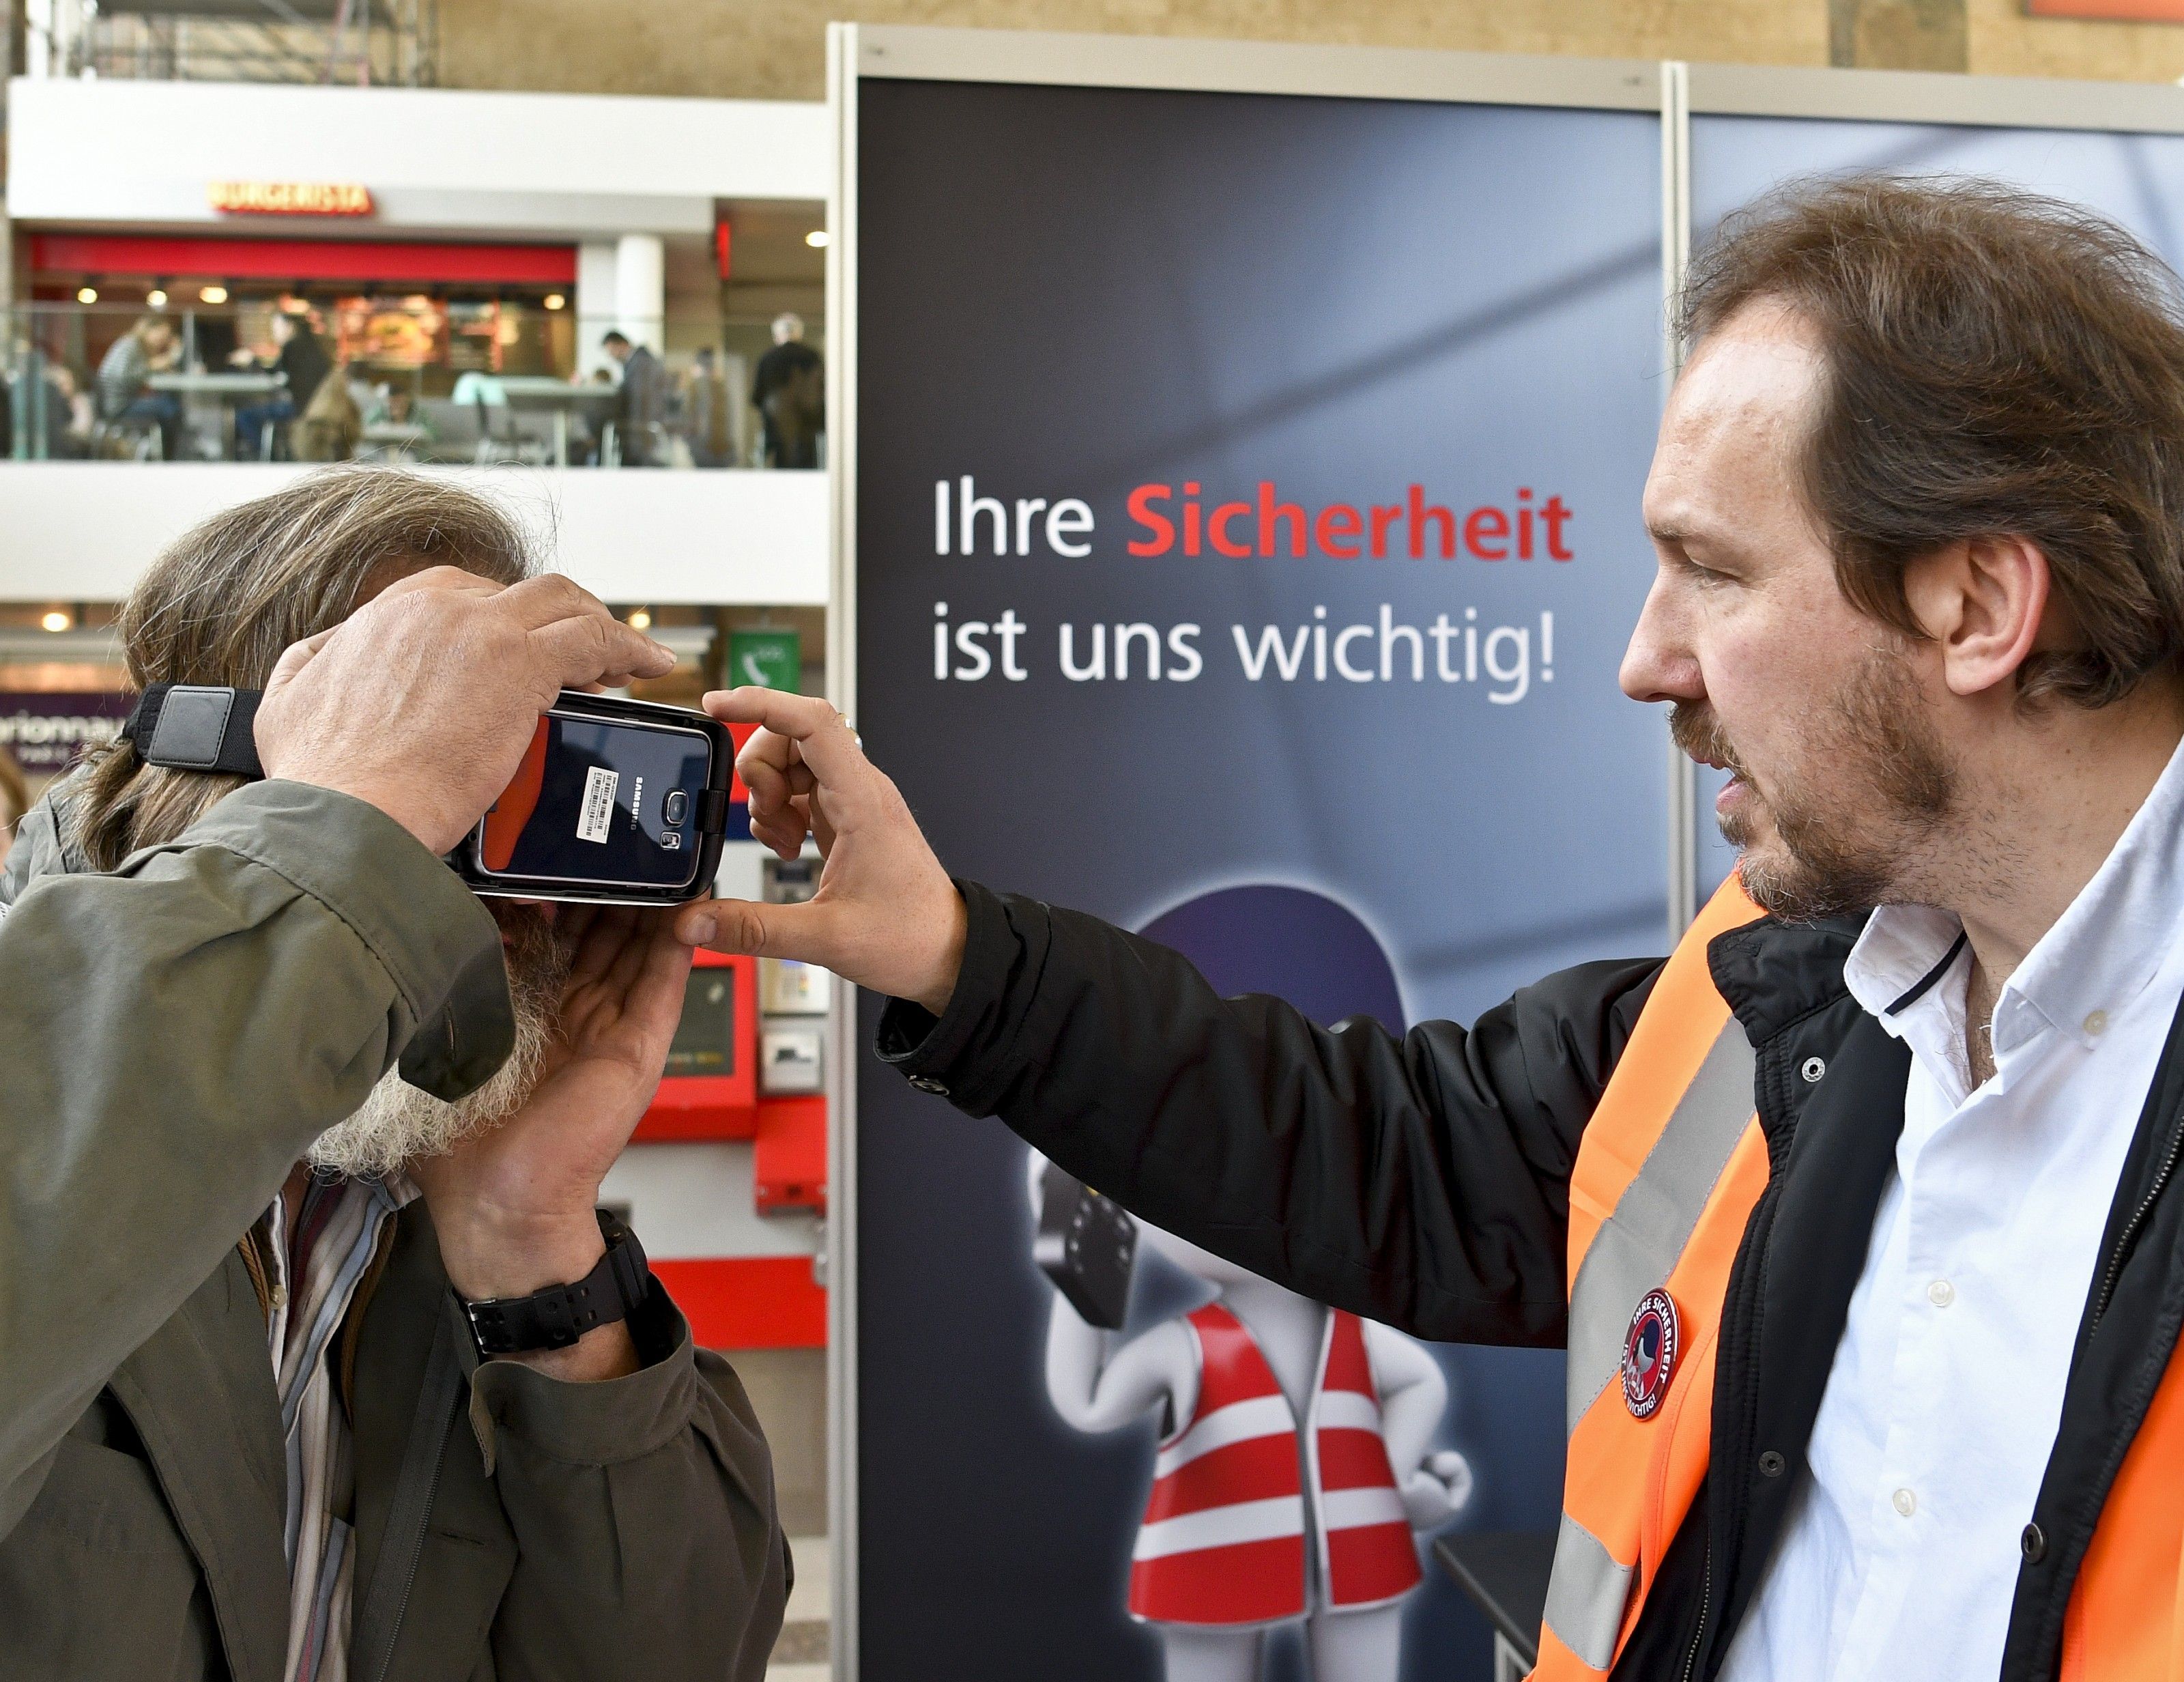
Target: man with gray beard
[[317, 1467]]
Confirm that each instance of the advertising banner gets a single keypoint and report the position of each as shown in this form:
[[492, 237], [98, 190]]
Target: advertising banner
[[1246, 533], [46, 730]]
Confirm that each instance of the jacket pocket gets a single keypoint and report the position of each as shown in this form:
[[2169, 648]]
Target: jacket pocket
[[96, 1582]]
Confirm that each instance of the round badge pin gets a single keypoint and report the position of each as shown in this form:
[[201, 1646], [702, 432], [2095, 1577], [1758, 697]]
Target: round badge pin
[[1649, 1354]]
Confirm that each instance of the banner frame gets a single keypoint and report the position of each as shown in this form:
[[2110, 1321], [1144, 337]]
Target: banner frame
[[1191, 65], [1933, 96]]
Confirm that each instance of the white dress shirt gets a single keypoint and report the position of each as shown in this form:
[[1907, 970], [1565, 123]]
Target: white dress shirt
[[1900, 1554]]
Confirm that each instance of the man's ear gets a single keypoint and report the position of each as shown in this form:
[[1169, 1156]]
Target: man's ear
[[1982, 602]]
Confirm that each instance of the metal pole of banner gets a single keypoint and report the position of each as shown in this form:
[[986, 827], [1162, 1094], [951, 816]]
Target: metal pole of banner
[[1675, 259], [841, 1015]]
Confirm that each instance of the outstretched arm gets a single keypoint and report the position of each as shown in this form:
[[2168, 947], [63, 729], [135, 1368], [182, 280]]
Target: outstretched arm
[[1420, 1179]]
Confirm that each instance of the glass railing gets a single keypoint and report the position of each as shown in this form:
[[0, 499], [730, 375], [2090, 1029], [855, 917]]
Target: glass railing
[[410, 380]]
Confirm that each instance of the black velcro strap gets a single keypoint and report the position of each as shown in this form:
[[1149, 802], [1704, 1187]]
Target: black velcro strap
[[190, 727]]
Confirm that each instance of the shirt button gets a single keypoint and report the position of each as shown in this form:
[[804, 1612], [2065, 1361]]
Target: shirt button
[[1772, 1464], [927, 1083], [1813, 1068], [2034, 1544], [1905, 1502], [1940, 1293], [2097, 1022]]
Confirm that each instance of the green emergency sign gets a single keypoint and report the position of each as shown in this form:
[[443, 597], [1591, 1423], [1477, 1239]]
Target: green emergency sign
[[772, 659]]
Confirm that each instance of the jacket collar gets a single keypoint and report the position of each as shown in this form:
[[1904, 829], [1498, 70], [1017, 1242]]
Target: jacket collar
[[1773, 972]]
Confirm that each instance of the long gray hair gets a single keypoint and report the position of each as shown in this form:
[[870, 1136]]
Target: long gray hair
[[225, 600]]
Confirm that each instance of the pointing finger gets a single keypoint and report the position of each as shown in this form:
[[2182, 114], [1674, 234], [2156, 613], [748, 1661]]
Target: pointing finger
[[593, 647]]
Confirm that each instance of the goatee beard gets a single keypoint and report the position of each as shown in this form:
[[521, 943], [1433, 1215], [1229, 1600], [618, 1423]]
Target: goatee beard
[[398, 1123], [1873, 731]]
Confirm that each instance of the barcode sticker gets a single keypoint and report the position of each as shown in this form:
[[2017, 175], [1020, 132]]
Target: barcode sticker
[[596, 816]]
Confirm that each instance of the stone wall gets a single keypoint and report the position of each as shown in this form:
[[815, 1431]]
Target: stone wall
[[775, 49]]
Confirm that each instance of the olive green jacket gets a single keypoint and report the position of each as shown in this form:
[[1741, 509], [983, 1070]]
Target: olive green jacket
[[173, 1036]]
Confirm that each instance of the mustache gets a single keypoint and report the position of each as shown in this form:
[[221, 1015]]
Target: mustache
[[1698, 733]]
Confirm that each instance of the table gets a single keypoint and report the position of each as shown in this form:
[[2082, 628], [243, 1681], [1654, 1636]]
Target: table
[[1505, 1574], [398, 436], [228, 389], [563, 397]]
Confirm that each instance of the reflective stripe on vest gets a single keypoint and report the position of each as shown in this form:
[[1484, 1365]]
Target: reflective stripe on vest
[[1670, 1165], [1222, 1542]]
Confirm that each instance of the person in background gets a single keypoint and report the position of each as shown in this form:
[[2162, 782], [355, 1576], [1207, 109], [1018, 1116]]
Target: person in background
[[643, 398], [397, 406], [125, 398], [705, 411], [330, 424], [69, 417], [15, 800], [789, 389], [301, 362]]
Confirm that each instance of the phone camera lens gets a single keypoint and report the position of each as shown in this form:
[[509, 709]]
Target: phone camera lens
[[678, 804]]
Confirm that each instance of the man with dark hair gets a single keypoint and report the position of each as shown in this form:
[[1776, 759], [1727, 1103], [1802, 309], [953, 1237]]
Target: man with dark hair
[[1859, 1216], [248, 1427], [302, 362], [644, 406]]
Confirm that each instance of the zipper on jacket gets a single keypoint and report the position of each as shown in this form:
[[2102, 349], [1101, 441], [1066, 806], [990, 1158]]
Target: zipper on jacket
[[1706, 1605], [2115, 1269], [409, 1571]]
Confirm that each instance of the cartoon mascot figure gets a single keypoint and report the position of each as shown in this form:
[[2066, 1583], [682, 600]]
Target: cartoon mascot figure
[[1293, 1471]]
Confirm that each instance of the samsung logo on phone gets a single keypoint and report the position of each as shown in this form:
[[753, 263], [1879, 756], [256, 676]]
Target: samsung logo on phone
[[637, 803]]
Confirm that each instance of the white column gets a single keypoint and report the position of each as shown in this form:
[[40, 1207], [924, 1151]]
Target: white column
[[595, 303], [641, 289]]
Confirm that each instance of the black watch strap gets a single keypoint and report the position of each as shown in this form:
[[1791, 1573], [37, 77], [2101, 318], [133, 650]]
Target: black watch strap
[[555, 1317]]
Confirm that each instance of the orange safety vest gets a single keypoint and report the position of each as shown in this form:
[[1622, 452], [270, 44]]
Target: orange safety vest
[[1671, 1165]]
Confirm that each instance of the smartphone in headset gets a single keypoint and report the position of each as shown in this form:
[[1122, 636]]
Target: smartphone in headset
[[616, 801]]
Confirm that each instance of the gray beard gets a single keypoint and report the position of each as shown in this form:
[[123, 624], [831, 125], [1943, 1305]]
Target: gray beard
[[398, 1123]]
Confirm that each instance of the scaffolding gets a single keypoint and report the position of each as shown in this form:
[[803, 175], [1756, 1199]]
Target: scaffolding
[[361, 43]]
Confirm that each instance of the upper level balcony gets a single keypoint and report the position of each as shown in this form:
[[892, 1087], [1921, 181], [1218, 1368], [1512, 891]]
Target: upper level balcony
[[164, 369]]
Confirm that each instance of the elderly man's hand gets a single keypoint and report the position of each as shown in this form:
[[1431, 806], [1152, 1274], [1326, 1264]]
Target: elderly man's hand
[[513, 1206], [886, 915], [422, 701]]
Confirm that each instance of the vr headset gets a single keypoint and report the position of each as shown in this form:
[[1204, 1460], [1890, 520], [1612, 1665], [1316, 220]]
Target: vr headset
[[617, 802]]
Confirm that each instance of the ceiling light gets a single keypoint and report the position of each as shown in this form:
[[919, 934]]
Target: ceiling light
[[57, 621], [212, 294], [556, 301], [157, 298], [817, 239], [641, 620], [87, 294]]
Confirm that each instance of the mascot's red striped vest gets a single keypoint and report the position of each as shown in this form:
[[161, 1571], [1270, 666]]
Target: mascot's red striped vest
[[1672, 1162], [1223, 1538]]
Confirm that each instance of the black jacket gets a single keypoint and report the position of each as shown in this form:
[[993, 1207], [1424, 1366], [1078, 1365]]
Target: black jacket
[[1423, 1181]]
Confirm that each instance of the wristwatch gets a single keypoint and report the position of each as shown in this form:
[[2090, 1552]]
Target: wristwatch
[[555, 1317]]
